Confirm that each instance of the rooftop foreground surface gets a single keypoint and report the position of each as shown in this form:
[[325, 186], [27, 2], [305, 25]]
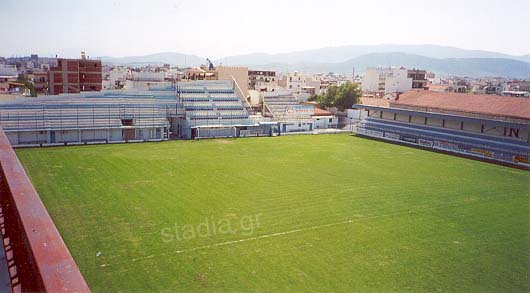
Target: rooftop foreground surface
[[334, 212]]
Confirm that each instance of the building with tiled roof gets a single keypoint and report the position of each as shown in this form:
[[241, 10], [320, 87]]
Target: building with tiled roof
[[486, 106], [491, 128]]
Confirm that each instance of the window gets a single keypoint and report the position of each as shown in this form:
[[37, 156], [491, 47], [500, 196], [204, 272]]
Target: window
[[127, 122], [330, 120]]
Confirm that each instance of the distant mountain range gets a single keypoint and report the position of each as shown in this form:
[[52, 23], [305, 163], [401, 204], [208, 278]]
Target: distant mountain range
[[178, 59], [470, 67], [525, 58], [439, 59], [344, 53]]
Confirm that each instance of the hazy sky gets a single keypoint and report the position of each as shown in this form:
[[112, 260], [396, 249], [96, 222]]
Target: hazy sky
[[221, 28]]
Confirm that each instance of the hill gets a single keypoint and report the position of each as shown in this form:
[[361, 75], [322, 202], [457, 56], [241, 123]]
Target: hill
[[175, 59], [344, 53], [439, 59], [472, 67], [525, 58]]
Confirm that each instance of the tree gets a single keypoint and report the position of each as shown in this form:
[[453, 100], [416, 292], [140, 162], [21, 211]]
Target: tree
[[28, 85], [348, 94], [342, 97]]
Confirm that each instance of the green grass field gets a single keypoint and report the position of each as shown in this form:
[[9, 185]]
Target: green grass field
[[313, 213]]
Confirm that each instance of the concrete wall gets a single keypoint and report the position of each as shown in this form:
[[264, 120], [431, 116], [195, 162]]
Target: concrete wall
[[403, 118], [493, 130], [30, 137], [217, 132], [240, 74], [434, 122], [66, 136], [474, 127], [93, 135], [296, 126], [417, 119], [149, 133], [324, 122], [453, 124], [388, 115]]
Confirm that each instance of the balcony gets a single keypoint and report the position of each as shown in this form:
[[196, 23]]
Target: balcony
[[36, 257]]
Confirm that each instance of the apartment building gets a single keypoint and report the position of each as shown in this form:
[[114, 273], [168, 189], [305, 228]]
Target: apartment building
[[263, 80], [75, 75], [419, 78], [387, 80]]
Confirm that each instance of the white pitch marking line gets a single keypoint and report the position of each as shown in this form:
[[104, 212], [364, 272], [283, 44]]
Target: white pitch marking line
[[269, 235], [290, 232]]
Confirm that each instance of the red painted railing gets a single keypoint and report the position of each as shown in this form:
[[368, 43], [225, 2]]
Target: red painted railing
[[38, 259]]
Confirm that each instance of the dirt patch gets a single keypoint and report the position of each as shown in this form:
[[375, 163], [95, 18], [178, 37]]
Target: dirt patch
[[225, 141], [201, 277]]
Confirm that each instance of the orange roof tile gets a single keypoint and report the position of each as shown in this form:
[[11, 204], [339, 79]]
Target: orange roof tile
[[457, 102], [375, 102]]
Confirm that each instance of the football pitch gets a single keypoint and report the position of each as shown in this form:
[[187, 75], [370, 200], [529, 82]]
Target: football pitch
[[293, 213]]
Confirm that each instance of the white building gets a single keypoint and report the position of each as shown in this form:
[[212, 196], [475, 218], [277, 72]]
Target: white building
[[117, 77], [8, 74], [148, 76], [387, 80], [263, 80], [298, 83]]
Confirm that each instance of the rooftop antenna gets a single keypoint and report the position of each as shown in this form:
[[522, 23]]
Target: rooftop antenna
[[210, 65]]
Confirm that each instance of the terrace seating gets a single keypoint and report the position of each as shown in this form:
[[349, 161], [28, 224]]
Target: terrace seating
[[498, 144], [278, 104], [212, 103], [79, 113], [465, 134]]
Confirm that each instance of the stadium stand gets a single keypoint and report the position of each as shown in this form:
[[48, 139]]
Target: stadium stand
[[490, 128], [62, 120], [126, 115], [212, 106], [277, 105]]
